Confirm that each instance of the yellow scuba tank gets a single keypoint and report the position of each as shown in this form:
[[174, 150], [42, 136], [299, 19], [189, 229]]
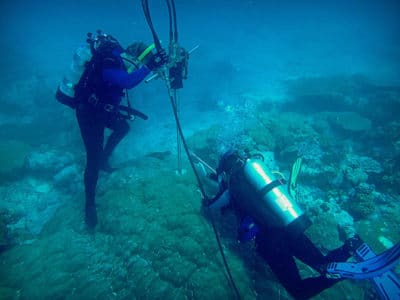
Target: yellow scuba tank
[[66, 89], [258, 193]]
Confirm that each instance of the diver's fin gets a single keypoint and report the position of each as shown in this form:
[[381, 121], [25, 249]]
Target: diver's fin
[[387, 286], [294, 173], [377, 268], [371, 266]]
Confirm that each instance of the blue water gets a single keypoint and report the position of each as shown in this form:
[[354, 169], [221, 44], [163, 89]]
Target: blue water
[[257, 63]]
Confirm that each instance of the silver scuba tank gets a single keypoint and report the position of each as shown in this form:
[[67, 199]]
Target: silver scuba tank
[[81, 56], [258, 193]]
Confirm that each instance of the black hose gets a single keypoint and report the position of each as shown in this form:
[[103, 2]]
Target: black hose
[[171, 31], [173, 27], [145, 5], [178, 124], [175, 23], [174, 38]]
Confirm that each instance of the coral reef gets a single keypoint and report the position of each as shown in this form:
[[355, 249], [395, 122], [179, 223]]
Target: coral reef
[[361, 204], [319, 205], [284, 133], [152, 240], [357, 168]]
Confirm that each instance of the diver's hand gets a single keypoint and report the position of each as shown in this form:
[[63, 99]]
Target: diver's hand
[[158, 60]]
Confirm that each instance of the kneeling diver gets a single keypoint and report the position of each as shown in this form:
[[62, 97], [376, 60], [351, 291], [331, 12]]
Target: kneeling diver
[[268, 214]]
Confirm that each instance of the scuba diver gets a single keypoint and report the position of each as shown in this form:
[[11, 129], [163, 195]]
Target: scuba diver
[[267, 213], [107, 70]]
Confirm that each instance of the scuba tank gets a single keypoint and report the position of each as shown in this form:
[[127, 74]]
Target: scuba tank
[[258, 193], [66, 90]]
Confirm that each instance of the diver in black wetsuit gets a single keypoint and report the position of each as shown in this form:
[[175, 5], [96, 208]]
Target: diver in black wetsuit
[[100, 90], [268, 214]]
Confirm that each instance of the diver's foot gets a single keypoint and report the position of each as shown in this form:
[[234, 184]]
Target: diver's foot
[[91, 216]]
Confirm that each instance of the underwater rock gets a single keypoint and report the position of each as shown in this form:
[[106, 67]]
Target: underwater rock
[[345, 223], [30, 204], [69, 178], [326, 93], [349, 121], [324, 231], [45, 163], [12, 157]]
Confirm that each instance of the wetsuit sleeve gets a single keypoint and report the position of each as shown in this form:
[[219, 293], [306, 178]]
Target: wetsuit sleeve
[[221, 201], [123, 79]]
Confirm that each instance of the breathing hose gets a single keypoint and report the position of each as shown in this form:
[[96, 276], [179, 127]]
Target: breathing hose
[[172, 96]]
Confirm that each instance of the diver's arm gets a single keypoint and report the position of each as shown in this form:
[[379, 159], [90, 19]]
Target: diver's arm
[[220, 201], [123, 79]]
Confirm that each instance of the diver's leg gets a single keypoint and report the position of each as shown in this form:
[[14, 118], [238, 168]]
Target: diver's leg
[[339, 254], [273, 248], [277, 250], [92, 131], [120, 128], [307, 252], [347, 250]]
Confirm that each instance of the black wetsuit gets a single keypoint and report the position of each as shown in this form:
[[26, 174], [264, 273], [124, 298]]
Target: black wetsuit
[[276, 245], [105, 80], [279, 249], [92, 122]]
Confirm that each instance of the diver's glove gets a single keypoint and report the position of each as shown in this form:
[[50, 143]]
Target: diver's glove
[[158, 60]]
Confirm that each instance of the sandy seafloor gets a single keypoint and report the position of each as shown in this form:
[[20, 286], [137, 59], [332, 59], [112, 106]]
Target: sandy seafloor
[[275, 77]]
